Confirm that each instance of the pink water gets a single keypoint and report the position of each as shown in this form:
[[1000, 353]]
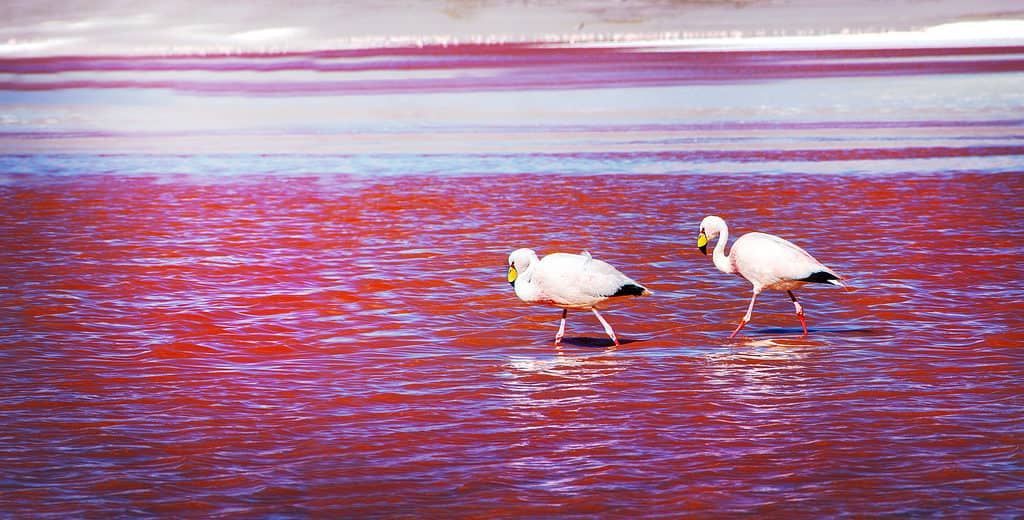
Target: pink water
[[215, 331]]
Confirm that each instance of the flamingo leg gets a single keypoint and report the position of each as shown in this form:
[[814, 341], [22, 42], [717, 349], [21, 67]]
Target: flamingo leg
[[799, 311], [607, 327], [746, 317], [561, 327]]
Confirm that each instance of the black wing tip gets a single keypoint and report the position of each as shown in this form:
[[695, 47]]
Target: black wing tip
[[820, 277], [631, 289]]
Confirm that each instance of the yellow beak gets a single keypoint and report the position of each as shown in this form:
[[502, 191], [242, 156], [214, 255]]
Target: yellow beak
[[702, 243], [512, 274]]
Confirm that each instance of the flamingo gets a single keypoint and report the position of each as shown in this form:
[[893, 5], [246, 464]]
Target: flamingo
[[570, 282], [766, 261]]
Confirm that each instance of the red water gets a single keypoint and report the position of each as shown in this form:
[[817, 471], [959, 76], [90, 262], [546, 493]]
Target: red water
[[273, 285], [347, 346]]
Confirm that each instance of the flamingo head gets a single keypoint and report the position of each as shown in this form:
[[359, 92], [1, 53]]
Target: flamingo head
[[710, 227], [518, 262]]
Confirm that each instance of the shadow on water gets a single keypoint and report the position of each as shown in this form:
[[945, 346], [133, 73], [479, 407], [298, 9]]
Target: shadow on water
[[791, 337], [811, 331], [591, 342]]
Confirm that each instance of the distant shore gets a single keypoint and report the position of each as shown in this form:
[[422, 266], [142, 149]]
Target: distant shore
[[50, 28]]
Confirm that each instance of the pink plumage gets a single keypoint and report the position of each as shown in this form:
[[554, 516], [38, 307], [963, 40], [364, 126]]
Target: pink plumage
[[766, 261]]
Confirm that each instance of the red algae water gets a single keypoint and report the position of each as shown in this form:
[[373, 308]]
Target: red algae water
[[238, 293]]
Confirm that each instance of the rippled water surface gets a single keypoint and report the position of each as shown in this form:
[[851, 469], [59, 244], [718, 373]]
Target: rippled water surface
[[218, 326]]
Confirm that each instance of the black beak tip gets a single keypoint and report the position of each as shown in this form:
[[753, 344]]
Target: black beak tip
[[704, 249]]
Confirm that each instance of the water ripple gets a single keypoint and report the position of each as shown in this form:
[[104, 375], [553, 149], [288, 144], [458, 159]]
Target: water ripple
[[291, 347]]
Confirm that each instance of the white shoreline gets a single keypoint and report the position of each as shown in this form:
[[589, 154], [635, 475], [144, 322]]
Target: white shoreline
[[997, 33]]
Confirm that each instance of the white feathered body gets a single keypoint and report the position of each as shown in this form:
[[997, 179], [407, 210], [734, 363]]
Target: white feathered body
[[771, 262], [571, 281]]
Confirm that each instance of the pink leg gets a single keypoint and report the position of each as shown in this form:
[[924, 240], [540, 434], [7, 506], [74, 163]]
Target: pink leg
[[746, 317], [607, 327], [799, 311], [561, 327]]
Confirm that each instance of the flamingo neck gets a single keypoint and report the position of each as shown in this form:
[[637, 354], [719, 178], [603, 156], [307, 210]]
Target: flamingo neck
[[720, 258], [524, 286]]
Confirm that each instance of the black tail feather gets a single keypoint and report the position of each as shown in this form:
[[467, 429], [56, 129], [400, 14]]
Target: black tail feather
[[630, 289], [820, 277]]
